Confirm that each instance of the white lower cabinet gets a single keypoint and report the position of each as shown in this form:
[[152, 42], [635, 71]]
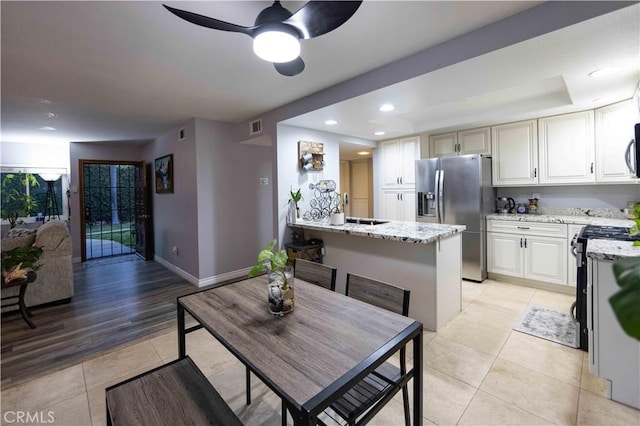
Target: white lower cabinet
[[536, 251], [398, 204]]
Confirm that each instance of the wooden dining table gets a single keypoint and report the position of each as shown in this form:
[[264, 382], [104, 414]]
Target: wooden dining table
[[311, 356]]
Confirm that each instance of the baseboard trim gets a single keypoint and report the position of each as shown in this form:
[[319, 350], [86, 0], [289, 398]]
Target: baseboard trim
[[559, 288], [202, 282]]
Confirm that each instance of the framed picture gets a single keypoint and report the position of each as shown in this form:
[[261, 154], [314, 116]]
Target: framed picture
[[164, 174]]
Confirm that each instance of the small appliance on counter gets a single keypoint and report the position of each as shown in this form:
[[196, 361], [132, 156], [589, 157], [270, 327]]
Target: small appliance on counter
[[532, 207], [505, 205]]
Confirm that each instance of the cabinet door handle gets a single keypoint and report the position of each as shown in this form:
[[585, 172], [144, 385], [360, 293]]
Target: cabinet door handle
[[535, 172], [525, 243], [592, 168], [520, 242], [400, 180], [401, 197], [458, 147], [523, 227]]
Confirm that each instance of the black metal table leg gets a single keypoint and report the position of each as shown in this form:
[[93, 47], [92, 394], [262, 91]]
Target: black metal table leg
[[182, 344], [23, 309]]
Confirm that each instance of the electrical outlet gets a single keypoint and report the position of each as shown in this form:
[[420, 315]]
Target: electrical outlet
[[175, 250]]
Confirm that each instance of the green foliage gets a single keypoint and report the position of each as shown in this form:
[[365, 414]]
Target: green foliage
[[16, 202], [270, 261], [626, 302], [295, 196], [635, 229], [28, 256]]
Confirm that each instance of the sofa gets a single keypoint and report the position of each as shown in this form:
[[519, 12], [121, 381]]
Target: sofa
[[54, 282]]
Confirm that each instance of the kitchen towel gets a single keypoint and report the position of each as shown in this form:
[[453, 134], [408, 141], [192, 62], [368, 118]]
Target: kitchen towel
[[548, 324]]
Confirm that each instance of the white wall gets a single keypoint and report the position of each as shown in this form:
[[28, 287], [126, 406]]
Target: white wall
[[45, 154], [289, 174]]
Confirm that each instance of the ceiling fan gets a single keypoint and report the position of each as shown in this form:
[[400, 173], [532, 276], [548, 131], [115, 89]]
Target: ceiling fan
[[277, 32]]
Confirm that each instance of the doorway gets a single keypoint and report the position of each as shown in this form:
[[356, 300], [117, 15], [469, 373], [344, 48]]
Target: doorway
[[115, 204], [356, 179]]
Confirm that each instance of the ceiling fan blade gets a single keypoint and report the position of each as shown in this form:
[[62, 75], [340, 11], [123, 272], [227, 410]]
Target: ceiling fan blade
[[319, 17], [205, 21], [290, 69]]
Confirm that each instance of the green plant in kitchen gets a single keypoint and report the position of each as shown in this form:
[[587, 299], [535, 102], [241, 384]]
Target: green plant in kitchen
[[16, 202], [271, 262], [626, 301], [295, 198]]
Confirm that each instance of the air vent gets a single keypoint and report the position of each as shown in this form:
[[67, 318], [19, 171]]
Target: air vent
[[255, 127]]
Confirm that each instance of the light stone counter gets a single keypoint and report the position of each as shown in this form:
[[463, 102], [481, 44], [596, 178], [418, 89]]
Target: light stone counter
[[612, 250], [577, 220], [408, 232]]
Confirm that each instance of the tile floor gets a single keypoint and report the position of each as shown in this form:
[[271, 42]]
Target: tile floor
[[477, 371]]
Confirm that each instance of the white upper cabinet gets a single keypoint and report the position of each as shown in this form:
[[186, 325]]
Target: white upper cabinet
[[473, 141], [397, 160], [566, 148], [443, 145], [515, 153], [614, 133]]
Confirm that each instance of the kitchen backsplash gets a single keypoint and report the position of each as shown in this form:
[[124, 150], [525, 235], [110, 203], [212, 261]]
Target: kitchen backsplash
[[606, 201]]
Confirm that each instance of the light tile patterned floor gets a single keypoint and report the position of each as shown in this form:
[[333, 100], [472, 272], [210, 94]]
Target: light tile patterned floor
[[477, 371]]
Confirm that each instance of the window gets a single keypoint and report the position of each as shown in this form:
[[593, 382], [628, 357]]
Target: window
[[38, 192]]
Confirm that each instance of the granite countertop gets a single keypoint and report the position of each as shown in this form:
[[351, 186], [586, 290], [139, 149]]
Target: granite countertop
[[612, 249], [577, 220], [409, 232]]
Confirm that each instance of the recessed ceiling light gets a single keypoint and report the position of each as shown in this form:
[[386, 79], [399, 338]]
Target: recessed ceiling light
[[47, 128], [386, 107], [363, 152], [379, 133], [51, 114], [331, 122], [602, 72]]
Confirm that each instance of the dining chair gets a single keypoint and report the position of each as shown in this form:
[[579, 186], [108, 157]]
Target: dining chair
[[315, 273], [357, 403]]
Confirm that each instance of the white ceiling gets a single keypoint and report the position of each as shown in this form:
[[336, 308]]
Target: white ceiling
[[129, 71]]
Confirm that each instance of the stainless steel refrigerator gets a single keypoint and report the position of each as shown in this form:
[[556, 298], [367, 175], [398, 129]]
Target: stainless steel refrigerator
[[458, 191]]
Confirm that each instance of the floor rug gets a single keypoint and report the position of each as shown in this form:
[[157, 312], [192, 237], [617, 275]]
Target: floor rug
[[548, 324]]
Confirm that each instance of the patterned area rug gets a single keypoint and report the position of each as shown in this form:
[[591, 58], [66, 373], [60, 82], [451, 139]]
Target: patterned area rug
[[548, 324]]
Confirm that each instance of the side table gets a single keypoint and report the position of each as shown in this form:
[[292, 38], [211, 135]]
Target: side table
[[23, 283]]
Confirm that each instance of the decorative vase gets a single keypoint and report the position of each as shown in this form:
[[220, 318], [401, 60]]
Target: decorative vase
[[292, 213], [281, 292], [336, 219]]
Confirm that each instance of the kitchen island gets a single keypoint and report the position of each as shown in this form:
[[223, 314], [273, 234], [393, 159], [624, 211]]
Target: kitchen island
[[425, 258]]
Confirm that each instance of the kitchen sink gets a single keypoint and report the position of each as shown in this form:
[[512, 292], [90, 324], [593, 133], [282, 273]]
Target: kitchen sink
[[365, 221]]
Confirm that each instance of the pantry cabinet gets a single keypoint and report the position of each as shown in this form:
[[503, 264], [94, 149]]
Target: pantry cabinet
[[515, 153], [614, 133], [566, 148], [399, 204], [397, 162], [473, 141], [531, 250]]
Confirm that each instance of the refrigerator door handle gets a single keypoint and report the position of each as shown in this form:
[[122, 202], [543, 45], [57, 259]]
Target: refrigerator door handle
[[441, 196], [436, 196]]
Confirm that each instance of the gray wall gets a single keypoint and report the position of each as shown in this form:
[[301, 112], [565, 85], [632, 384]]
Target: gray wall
[[234, 210], [175, 216]]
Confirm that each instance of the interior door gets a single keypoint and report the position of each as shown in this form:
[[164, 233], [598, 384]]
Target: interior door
[[143, 222]]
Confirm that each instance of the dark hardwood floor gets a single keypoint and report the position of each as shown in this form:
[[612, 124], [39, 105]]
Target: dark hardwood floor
[[114, 304]]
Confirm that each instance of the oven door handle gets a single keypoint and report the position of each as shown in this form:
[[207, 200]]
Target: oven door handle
[[572, 311]]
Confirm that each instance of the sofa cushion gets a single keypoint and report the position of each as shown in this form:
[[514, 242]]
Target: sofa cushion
[[18, 237], [51, 234]]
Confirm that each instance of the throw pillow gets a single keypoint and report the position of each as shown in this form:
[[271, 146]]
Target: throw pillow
[[18, 237]]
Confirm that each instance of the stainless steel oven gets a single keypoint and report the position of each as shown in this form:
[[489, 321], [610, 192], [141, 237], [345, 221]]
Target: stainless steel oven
[[579, 250]]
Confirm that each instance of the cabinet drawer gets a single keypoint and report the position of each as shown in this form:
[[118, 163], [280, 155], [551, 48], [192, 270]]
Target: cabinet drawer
[[528, 228]]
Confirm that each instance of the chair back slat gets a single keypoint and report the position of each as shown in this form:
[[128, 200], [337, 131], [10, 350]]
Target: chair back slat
[[315, 273], [378, 293]]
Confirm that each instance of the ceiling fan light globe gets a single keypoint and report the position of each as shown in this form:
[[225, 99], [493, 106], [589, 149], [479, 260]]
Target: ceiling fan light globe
[[276, 46]]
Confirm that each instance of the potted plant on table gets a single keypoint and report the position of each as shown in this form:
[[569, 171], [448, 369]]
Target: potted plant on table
[[280, 277]]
